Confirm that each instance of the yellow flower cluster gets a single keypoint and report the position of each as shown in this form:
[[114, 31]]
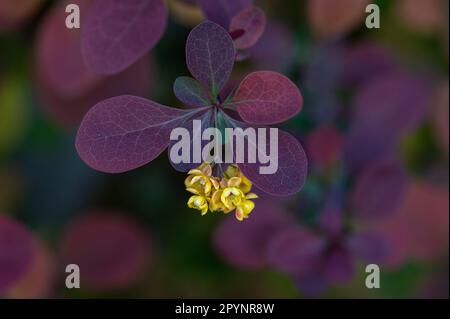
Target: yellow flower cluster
[[231, 192]]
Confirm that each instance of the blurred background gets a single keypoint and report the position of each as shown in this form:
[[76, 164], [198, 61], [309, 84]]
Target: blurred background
[[374, 125]]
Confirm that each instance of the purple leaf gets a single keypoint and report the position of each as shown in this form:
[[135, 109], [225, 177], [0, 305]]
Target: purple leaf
[[111, 250], [395, 102], [125, 132], [338, 267], [324, 145], [69, 111], [379, 189], [330, 18], [275, 50], [251, 22], [210, 55], [296, 251], [58, 60], [118, 33], [365, 144], [384, 110], [191, 92], [222, 11], [330, 219], [364, 61], [369, 247], [266, 97], [17, 248], [244, 244], [292, 168]]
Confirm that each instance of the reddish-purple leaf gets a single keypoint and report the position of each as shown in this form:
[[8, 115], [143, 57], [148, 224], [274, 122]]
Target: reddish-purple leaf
[[338, 266], [69, 111], [292, 168], [275, 50], [296, 250], [395, 102], [379, 189], [222, 11], [58, 60], [191, 92], [385, 109], [266, 97], [331, 219], [324, 146], [369, 247], [17, 249], [111, 250], [210, 55], [38, 282], [364, 61], [118, 33], [125, 132], [251, 22], [331, 18], [419, 229], [365, 144], [244, 244]]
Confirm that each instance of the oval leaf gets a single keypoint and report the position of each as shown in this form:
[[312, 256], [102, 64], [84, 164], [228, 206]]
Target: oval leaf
[[17, 248], [210, 55], [191, 92], [266, 97], [370, 247], [379, 189], [125, 132], [118, 33], [251, 22], [68, 112], [331, 18], [111, 250], [292, 168], [58, 60], [296, 250], [222, 11]]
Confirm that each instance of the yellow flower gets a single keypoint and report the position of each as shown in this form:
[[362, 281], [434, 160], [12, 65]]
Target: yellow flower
[[230, 193], [200, 181], [216, 205], [198, 202], [231, 197], [245, 207], [234, 171]]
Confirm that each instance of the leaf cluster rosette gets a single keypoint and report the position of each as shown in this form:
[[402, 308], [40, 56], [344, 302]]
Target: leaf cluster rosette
[[125, 132]]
